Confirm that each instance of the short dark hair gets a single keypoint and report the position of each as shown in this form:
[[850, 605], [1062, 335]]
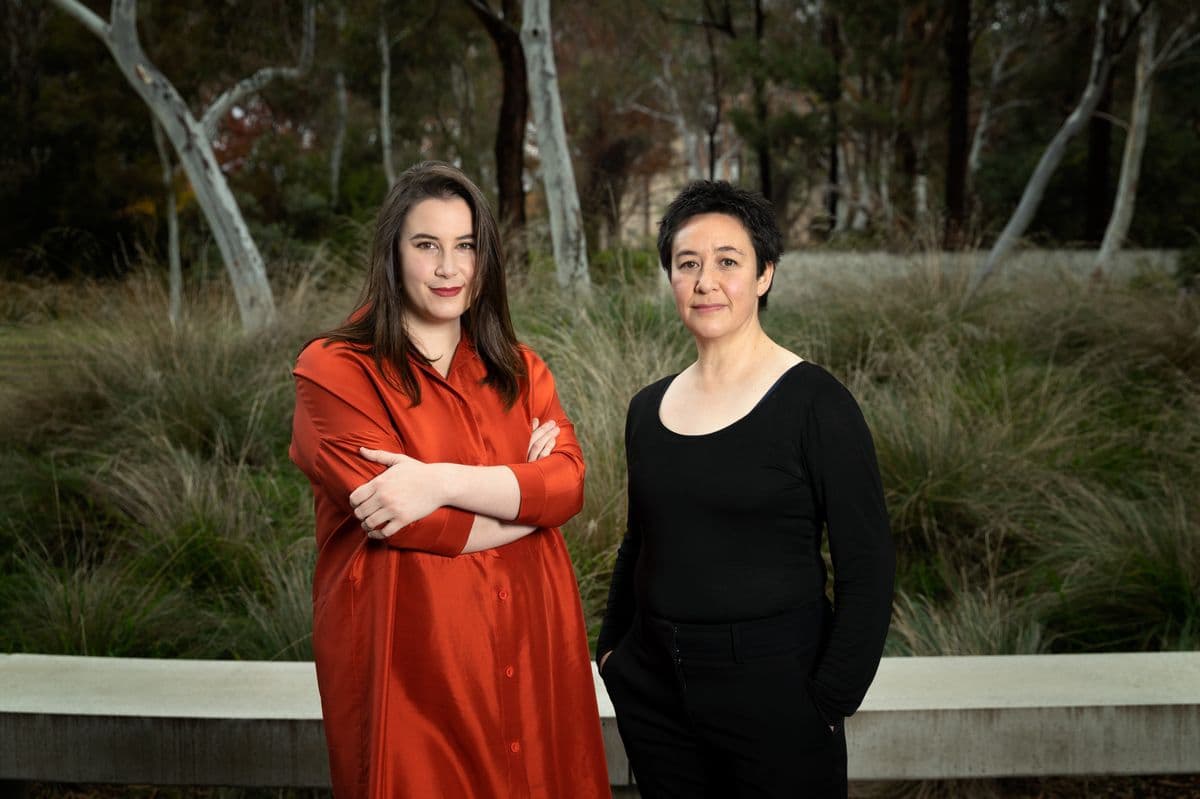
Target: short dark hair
[[379, 323], [754, 211]]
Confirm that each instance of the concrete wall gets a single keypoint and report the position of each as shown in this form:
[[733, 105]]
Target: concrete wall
[[181, 722]]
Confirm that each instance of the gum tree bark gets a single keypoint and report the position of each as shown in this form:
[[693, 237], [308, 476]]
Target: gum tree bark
[[562, 197], [339, 132], [385, 99]]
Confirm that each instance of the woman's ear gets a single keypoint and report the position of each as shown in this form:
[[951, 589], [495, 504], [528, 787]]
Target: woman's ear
[[766, 278]]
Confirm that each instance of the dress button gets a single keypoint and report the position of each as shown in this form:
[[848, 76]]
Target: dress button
[[502, 594], [514, 747], [509, 671]]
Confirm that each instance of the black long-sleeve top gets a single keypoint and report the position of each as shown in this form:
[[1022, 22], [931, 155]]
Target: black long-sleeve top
[[727, 526]]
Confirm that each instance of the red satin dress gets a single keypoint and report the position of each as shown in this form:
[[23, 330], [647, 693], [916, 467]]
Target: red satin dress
[[443, 674]]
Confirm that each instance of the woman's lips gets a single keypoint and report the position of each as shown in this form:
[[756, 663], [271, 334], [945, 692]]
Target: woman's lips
[[451, 291], [707, 308]]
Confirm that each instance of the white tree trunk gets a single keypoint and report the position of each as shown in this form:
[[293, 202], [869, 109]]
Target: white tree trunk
[[975, 158], [921, 197], [175, 262], [1135, 144], [190, 139], [339, 132], [689, 138], [863, 198], [562, 198], [385, 100], [886, 158], [1031, 198], [339, 138], [996, 76], [845, 198]]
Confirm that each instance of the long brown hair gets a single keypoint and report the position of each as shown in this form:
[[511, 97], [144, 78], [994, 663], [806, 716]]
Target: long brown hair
[[378, 324]]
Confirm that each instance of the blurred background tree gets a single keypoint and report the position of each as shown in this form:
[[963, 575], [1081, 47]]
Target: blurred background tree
[[851, 116]]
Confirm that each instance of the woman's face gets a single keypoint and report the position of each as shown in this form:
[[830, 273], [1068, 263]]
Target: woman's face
[[437, 258], [713, 266]]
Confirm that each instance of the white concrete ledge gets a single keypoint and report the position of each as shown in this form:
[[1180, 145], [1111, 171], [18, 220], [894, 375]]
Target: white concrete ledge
[[1029, 715], [190, 722]]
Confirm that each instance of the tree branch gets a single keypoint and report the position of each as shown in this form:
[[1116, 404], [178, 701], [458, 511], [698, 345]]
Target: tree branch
[[85, 16], [497, 27], [1178, 43], [239, 91]]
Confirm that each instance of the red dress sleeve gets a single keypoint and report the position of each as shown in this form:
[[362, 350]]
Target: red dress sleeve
[[552, 487], [338, 410]]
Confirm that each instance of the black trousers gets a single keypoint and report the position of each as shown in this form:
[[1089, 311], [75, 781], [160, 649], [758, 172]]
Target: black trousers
[[724, 710]]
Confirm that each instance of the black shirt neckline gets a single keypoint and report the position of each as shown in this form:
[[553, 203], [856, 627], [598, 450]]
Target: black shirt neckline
[[735, 423]]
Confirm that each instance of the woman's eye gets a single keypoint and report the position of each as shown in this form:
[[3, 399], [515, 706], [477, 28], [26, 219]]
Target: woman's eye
[[425, 245], [687, 265], [466, 245], [728, 262]]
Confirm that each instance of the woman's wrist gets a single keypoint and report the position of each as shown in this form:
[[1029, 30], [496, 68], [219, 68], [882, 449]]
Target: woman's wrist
[[446, 480]]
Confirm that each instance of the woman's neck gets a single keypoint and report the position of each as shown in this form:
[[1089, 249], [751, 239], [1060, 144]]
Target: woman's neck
[[722, 361], [437, 342]]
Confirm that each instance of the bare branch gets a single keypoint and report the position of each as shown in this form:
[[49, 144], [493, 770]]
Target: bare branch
[[1179, 42], [651, 112], [497, 27], [244, 88], [1111, 119], [85, 16]]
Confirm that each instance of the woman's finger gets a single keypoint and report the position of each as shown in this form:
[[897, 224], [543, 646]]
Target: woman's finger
[[538, 439], [361, 494], [547, 447], [381, 456], [539, 449], [366, 507], [377, 520]]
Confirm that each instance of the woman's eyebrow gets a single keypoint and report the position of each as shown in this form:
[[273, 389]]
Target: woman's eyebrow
[[415, 236]]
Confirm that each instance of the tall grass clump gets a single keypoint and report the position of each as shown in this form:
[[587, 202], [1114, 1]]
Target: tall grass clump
[[1039, 451], [1000, 425], [147, 477], [601, 351]]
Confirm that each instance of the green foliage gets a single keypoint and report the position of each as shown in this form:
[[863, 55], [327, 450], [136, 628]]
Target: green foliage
[[621, 266]]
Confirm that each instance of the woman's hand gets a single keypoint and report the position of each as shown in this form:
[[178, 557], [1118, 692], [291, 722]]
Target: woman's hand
[[409, 490], [403, 493], [604, 659], [541, 442]]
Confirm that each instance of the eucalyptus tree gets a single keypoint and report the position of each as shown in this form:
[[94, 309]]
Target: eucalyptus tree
[[558, 175], [503, 25], [1109, 38], [191, 139], [1153, 57]]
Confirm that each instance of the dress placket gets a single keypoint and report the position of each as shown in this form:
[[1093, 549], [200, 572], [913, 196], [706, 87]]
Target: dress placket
[[505, 605]]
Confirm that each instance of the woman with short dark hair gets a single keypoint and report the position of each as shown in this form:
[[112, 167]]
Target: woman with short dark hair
[[729, 669], [448, 636]]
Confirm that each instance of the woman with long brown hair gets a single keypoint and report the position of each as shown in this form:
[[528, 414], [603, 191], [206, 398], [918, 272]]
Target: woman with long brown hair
[[449, 640]]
